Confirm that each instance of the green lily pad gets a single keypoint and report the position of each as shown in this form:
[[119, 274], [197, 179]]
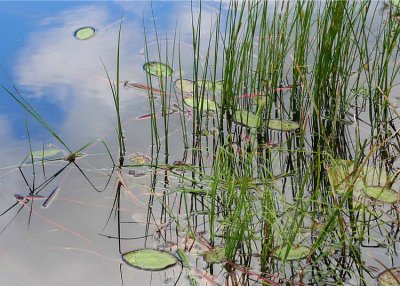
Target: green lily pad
[[139, 158], [206, 84], [295, 252], [376, 177], [247, 118], [215, 255], [339, 175], [219, 85], [282, 125], [150, 259], [46, 153], [84, 33], [390, 277], [208, 105], [184, 85], [157, 69], [381, 194]]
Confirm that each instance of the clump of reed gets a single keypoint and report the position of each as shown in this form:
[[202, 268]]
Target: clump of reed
[[331, 68]]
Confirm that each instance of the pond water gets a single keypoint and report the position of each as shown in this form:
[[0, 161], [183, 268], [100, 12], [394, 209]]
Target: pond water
[[195, 181]]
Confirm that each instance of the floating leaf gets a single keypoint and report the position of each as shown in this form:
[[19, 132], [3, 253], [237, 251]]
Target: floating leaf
[[206, 84], [139, 158], [157, 69], [381, 194], [215, 255], [390, 277], [84, 33], [150, 259], [295, 252], [219, 85], [184, 258], [376, 177], [282, 125], [247, 118], [46, 153], [208, 105], [339, 175], [184, 85]]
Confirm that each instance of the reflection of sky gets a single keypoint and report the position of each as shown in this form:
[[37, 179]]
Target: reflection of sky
[[64, 79]]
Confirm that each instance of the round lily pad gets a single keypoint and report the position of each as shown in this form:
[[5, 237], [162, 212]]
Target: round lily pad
[[208, 105], [215, 255], [219, 85], [149, 259], [247, 118], [389, 277], [295, 252], [282, 125], [157, 69], [46, 153], [84, 33], [139, 158], [376, 176], [339, 175], [184, 85], [206, 84], [381, 194]]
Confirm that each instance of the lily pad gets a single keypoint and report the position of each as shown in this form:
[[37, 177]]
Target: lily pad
[[84, 33], [219, 85], [339, 175], [283, 125], [390, 277], [376, 177], [206, 84], [46, 153], [295, 252], [381, 194], [215, 255], [150, 259], [184, 85], [208, 105], [139, 158], [247, 118], [157, 69]]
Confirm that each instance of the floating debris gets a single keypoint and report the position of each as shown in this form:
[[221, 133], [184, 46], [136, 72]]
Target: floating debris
[[185, 85], [157, 69], [208, 105], [215, 255], [150, 259], [136, 173], [26, 199], [295, 252], [282, 125], [381, 194], [141, 86], [389, 277], [139, 158], [84, 33], [50, 198], [145, 116]]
